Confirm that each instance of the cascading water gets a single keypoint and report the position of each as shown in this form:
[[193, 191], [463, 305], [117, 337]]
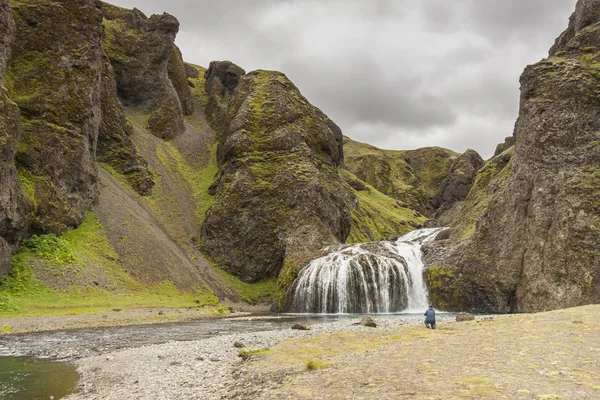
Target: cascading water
[[381, 277]]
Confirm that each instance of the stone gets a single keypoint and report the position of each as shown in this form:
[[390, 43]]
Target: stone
[[368, 321], [139, 49], [444, 235], [222, 77], [463, 316], [300, 327], [239, 345], [502, 147]]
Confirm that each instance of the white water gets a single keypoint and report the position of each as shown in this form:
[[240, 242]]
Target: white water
[[383, 277]]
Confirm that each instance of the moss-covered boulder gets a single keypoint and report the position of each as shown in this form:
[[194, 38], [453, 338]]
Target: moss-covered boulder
[[536, 245], [115, 146], [139, 49], [278, 195], [179, 78], [54, 76], [14, 205]]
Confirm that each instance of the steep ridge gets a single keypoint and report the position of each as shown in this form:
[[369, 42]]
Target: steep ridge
[[428, 180], [536, 243]]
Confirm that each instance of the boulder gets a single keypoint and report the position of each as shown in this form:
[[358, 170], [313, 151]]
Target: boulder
[[300, 327], [368, 321], [139, 49], [463, 316], [444, 235], [239, 345], [222, 77]]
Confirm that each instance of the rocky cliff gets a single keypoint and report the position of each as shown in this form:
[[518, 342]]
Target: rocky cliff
[[278, 195], [14, 205], [139, 49], [536, 243]]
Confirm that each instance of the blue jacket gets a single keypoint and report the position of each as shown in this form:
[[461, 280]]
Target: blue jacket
[[430, 315]]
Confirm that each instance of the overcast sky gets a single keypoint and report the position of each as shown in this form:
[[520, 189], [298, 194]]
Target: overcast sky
[[399, 74]]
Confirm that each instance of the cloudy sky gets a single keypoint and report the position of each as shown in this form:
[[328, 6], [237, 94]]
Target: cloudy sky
[[398, 74]]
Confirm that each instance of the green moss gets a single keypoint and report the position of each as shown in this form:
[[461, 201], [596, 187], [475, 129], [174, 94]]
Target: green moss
[[120, 42], [251, 293], [287, 276], [314, 365]]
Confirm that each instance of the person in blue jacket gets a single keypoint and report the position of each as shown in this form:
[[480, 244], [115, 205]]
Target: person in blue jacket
[[430, 318]]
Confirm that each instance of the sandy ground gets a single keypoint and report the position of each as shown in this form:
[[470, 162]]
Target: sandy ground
[[554, 355]]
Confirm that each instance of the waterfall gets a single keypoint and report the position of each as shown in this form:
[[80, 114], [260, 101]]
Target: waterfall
[[379, 277]]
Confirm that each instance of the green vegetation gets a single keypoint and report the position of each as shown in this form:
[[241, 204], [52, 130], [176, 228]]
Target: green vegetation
[[48, 271], [198, 90], [314, 365], [245, 354], [251, 293], [379, 216], [411, 177]]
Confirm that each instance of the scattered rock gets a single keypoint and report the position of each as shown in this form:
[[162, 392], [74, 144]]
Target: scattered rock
[[368, 321], [444, 235], [578, 322], [463, 316], [215, 359], [239, 345], [116, 309], [161, 313], [301, 327]]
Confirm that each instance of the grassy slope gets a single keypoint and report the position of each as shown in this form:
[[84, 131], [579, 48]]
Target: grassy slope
[[549, 355], [55, 275]]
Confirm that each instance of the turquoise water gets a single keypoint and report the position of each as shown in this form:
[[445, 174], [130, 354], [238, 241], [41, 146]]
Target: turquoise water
[[26, 378]]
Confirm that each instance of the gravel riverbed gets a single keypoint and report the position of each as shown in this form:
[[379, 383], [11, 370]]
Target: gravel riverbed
[[198, 369]]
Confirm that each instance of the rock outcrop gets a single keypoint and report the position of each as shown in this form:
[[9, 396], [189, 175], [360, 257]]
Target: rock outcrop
[[507, 144], [139, 49], [54, 76], [536, 245], [179, 77], [14, 206], [278, 195], [115, 146], [221, 79]]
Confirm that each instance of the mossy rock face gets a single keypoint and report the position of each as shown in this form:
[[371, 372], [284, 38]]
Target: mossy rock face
[[14, 205], [115, 146], [536, 245], [54, 76], [278, 195], [221, 79], [139, 49], [179, 78]]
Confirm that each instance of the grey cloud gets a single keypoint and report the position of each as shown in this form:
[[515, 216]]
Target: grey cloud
[[395, 73]]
